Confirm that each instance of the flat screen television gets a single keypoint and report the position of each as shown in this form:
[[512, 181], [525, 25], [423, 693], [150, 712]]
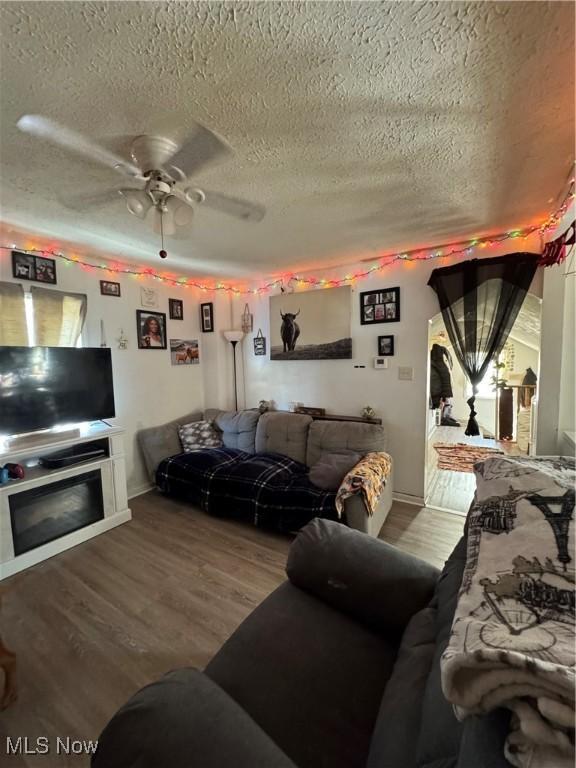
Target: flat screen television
[[44, 387]]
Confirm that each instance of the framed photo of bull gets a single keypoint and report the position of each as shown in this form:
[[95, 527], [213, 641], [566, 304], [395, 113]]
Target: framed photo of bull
[[311, 325]]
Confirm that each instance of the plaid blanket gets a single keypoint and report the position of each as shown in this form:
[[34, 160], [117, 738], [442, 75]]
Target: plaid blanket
[[270, 489]]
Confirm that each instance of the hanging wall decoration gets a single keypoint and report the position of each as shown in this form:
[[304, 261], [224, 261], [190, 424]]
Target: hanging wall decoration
[[207, 317], [122, 340], [148, 297], [151, 329], [382, 261], [259, 343], [28, 267], [247, 320], [380, 306], [184, 352], [108, 288], [311, 325], [176, 309]]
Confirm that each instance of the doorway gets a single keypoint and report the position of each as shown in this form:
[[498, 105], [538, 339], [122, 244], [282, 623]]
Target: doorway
[[505, 404]]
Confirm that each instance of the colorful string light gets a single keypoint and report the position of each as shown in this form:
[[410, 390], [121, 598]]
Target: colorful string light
[[419, 254]]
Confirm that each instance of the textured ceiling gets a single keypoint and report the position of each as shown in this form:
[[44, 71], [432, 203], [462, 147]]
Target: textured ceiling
[[359, 125]]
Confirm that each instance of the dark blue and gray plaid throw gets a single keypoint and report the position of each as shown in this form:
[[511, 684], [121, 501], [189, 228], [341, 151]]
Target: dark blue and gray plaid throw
[[267, 488]]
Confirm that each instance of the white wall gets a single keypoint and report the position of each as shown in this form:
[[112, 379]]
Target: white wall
[[148, 389], [557, 380], [343, 389]]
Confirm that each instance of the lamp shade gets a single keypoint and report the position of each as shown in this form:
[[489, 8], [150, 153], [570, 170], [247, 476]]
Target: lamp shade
[[233, 335], [138, 201]]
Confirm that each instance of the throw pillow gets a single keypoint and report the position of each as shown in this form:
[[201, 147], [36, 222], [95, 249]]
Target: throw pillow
[[198, 435], [332, 468]]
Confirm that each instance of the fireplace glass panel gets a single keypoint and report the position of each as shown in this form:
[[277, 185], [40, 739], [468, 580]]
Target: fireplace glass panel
[[50, 511]]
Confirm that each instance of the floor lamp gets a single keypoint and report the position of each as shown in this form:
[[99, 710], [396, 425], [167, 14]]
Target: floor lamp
[[234, 337]]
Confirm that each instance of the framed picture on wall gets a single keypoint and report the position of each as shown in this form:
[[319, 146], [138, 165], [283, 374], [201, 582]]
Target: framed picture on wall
[[151, 327], [207, 317], [183, 352], [108, 288], [176, 309], [385, 345], [148, 297], [25, 266], [380, 306]]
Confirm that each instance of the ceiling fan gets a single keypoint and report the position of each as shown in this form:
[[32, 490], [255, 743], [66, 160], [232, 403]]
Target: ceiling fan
[[162, 168]]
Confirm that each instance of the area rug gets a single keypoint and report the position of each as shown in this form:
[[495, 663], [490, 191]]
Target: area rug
[[460, 457]]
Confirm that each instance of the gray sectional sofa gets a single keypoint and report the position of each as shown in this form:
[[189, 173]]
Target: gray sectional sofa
[[296, 436], [338, 668]]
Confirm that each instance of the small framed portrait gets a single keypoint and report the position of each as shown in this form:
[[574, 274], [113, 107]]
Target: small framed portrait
[[23, 266], [380, 306], [151, 327], [148, 297], [207, 317], [176, 309], [108, 288], [45, 270], [385, 346]]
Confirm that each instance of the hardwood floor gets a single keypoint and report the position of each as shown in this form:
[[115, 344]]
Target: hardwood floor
[[96, 623], [455, 490]]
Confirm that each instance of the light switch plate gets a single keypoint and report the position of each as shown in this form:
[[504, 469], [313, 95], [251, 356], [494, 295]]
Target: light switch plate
[[405, 373], [380, 362]]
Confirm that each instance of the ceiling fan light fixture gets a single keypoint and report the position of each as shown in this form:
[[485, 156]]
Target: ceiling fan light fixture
[[138, 202], [180, 211]]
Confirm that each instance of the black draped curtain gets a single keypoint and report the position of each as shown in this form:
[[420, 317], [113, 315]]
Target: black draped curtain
[[480, 300]]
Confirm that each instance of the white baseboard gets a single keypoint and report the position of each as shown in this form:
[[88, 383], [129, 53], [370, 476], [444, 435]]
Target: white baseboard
[[139, 490], [407, 498]]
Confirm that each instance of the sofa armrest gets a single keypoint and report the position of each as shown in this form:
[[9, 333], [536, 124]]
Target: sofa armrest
[[359, 575], [158, 443], [182, 721]]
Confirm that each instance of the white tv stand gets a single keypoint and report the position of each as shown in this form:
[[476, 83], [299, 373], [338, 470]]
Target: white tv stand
[[51, 510]]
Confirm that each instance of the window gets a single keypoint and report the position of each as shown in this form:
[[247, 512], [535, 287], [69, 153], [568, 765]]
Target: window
[[41, 317]]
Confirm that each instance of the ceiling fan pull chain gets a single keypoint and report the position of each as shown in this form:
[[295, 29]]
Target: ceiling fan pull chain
[[162, 253]]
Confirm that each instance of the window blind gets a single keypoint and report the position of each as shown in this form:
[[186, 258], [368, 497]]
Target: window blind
[[13, 331], [58, 317]]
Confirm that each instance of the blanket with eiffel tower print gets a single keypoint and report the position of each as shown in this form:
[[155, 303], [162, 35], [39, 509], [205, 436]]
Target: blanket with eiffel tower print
[[513, 636]]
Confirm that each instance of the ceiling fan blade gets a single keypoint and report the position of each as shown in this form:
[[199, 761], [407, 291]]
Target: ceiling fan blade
[[199, 150], [83, 202], [47, 129], [233, 206]]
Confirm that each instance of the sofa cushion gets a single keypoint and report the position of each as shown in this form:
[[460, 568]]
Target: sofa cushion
[[158, 443], [310, 676], [332, 468], [238, 429], [393, 742], [332, 436], [184, 719], [443, 740], [285, 433], [198, 435]]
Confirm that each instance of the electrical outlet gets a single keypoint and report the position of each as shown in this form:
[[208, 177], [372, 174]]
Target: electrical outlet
[[405, 373], [380, 362]]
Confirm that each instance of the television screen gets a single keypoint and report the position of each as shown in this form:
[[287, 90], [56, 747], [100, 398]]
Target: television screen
[[43, 387]]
